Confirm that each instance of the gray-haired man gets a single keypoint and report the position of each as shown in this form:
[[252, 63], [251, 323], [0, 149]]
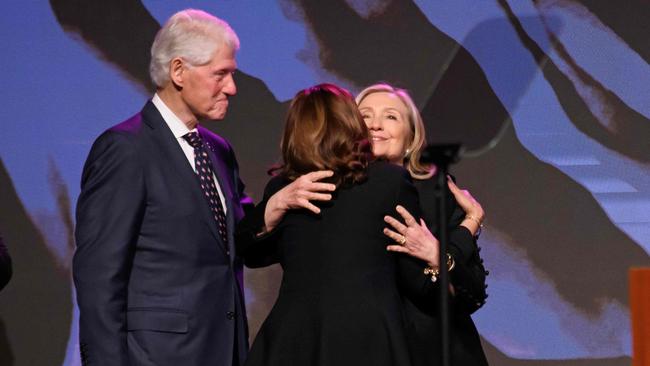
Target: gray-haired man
[[157, 279]]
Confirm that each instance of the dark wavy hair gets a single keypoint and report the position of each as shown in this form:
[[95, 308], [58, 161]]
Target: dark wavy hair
[[325, 131]]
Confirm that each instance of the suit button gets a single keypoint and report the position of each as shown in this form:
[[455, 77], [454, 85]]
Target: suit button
[[227, 252], [230, 315]]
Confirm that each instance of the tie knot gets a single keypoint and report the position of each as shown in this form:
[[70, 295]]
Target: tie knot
[[193, 139]]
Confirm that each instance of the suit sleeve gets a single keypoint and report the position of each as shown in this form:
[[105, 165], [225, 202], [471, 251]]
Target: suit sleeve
[[109, 214], [410, 276], [468, 275], [259, 250]]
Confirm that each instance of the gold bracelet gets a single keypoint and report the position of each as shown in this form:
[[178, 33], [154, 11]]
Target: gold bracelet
[[435, 272], [450, 262]]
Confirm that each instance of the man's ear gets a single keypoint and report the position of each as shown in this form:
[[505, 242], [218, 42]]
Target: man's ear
[[176, 70]]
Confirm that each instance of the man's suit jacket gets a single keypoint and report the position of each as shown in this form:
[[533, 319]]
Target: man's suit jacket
[[155, 283]]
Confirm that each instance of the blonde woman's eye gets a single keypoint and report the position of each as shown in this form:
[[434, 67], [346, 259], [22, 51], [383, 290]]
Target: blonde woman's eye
[[390, 116]]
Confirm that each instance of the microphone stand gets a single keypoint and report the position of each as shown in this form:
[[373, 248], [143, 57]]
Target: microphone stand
[[442, 155]]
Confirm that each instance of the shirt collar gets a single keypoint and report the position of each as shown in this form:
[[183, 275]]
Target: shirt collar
[[179, 129]]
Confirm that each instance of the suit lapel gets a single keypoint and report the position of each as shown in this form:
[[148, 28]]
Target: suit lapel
[[178, 160]]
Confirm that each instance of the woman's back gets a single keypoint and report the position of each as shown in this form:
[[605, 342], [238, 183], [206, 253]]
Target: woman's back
[[338, 302]]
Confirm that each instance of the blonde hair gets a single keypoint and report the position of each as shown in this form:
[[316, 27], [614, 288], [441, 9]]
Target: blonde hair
[[417, 132]]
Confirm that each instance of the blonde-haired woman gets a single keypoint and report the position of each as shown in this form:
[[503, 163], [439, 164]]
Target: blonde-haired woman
[[397, 134]]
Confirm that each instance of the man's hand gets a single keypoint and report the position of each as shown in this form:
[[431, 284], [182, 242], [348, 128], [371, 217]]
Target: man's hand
[[298, 194]]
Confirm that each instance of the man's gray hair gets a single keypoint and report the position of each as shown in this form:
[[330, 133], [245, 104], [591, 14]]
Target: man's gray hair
[[193, 35]]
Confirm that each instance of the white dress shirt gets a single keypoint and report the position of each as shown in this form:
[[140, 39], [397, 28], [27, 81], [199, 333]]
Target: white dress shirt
[[179, 129]]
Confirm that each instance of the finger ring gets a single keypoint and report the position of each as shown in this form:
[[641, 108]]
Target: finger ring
[[402, 240]]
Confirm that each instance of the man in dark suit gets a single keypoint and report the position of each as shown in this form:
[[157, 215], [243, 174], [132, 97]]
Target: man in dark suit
[[157, 279]]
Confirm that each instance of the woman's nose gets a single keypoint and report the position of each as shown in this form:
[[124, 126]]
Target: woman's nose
[[374, 123]]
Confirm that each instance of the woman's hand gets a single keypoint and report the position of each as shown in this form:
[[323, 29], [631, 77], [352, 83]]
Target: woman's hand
[[414, 238], [474, 214], [298, 194]]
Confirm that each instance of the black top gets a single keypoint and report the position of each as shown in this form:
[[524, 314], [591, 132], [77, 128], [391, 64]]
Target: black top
[[468, 280], [339, 302]]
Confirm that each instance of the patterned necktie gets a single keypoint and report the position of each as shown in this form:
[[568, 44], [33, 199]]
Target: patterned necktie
[[204, 170]]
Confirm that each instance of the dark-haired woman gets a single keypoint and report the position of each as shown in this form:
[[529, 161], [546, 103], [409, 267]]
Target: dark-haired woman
[[339, 302]]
